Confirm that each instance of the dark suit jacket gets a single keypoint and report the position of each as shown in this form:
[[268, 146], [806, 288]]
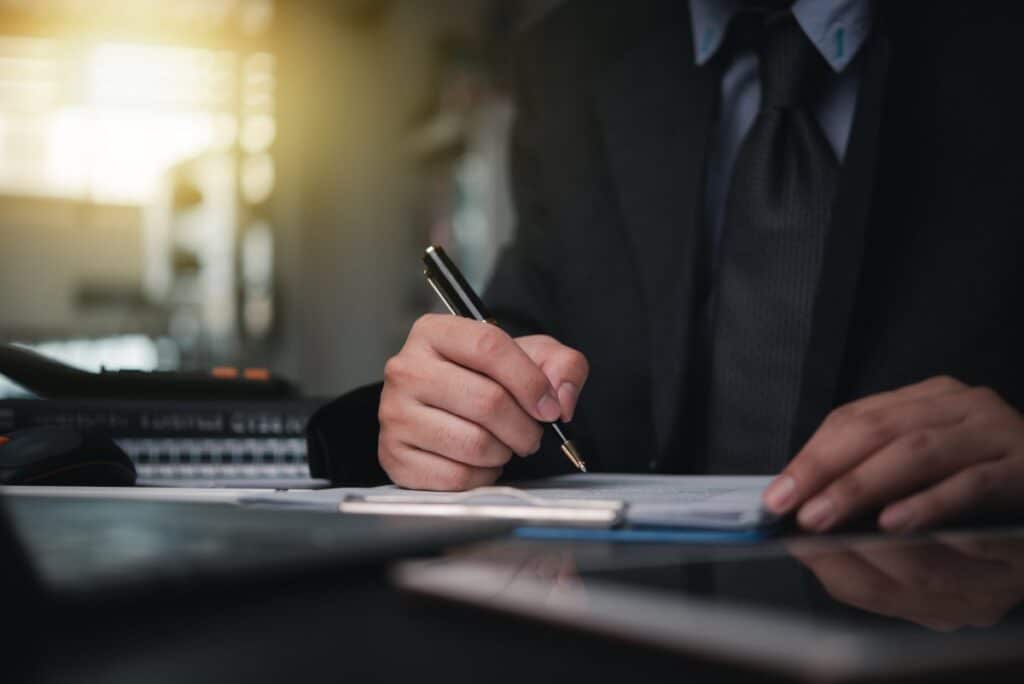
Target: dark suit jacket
[[923, 272], [923, 268]]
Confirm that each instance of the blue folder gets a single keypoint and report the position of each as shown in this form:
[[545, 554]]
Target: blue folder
[[646, 535]]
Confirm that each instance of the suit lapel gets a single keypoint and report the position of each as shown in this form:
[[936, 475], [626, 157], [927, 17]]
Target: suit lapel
[[841, 267], [655, 107]]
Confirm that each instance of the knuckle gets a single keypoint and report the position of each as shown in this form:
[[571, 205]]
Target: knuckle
[[492, 399], [806, 474], [849, 490], [575, 360], [534, 345], [930, 506], [425, 324], [463, 442], [946, 382], [499, 456], [873, 592], [391, 367], [420, 327], [535, 433], [984, 396], [876, 425], [841, 414], [980, 481], [475, 441], [543, 340], [933, 579], [389, 410], [489, 341], [584, 364], [385, 456], [396, 369], [920, 443], [535, 384], [523, 439], [457, 477], [385, 412], [527, 441]]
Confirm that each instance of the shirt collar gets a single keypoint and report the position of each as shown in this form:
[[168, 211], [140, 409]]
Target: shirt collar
[[837, 28]]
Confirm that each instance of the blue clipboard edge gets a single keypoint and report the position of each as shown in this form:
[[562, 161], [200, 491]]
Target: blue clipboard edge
[[645, 535]]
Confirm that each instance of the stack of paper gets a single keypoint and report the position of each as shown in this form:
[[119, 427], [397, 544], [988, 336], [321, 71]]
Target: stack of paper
[[677, 501]]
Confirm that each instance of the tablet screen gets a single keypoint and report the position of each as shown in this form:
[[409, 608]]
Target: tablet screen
[[858, 606]]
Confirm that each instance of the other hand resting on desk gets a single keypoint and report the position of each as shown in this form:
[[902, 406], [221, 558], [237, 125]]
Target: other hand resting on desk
[[462, 396], [925, 454]]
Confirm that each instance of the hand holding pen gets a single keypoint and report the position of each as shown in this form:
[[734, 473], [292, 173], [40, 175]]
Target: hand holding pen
[[462, 397]]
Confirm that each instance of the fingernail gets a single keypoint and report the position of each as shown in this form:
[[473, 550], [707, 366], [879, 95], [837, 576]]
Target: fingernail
[[548, 408], [567, 394], [817, 514], [896, 518], [780, 494]]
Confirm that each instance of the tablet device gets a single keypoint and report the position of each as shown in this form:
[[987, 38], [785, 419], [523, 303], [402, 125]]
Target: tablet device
[[858, 608]]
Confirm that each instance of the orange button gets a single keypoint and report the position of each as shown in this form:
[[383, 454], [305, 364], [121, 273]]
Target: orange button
[[225, 372], [4, 440], [256, 374]]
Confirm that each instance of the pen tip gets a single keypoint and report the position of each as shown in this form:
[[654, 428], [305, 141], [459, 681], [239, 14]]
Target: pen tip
[[569, 449]]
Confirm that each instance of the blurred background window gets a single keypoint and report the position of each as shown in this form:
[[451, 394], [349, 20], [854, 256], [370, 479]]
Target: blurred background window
[[80, 120], [246, 182]]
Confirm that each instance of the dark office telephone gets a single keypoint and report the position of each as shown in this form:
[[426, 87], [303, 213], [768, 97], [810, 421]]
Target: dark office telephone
[[229, 427], [51, 379]]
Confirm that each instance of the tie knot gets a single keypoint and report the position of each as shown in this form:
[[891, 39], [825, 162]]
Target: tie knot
[[790, 66]]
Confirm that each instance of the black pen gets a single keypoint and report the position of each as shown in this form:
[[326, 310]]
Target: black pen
[[460, 300]]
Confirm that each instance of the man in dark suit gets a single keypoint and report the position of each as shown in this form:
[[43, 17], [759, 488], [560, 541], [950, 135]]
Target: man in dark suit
[[783, 237]]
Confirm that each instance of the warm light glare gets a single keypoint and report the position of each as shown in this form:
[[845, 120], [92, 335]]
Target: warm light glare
[[143, 76], [118, 155], [106, 122]]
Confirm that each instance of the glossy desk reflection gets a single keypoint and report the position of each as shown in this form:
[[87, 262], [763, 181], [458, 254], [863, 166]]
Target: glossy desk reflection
[[816, 608]]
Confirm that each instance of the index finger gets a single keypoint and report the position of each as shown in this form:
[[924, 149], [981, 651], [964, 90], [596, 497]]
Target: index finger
[[487, 349], [854, 431]]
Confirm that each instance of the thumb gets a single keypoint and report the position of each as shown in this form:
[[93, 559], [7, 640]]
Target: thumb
[[565, 368]]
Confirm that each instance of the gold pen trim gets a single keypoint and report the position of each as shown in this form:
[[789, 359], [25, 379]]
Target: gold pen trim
[[569, 449]]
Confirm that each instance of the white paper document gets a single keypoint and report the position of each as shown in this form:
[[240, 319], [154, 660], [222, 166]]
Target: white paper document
[[580, 499], [703, 501], [722, 502]]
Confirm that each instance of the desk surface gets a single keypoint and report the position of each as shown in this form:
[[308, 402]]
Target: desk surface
[[851, 608], [352, 624]]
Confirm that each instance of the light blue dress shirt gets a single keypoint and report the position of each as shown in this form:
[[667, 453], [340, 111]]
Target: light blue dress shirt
[[837, 28]]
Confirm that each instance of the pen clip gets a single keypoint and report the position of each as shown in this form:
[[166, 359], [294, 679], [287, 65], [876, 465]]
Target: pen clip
[[444, 300]]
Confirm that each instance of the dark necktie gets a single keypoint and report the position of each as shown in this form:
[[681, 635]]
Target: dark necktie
[[776, 217]]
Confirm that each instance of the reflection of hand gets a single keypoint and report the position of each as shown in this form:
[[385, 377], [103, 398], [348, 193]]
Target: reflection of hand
[[926, 454], [944, 584], [553, 570]]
